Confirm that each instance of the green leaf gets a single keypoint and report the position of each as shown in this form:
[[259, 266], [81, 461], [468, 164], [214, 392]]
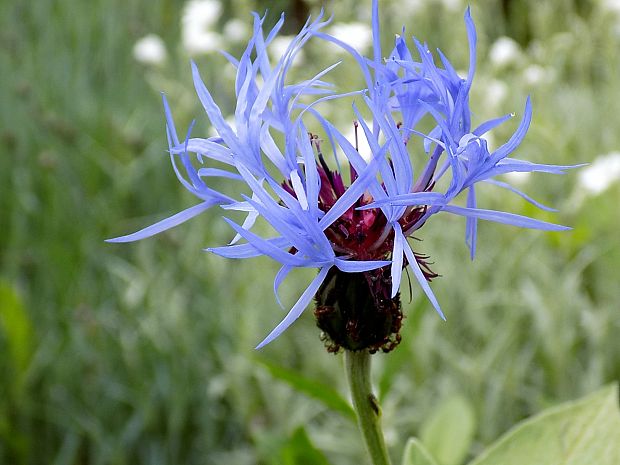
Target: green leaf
[[448, 433], [319, 391], [586, 431], [300, 451], [17, 331], [416, 454]]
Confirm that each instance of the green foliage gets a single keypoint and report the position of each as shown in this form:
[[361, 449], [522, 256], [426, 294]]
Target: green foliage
[[416, 454], [16, 330], [300, 451], [17, 344], [448, 433], [312, 388], [574, 433]]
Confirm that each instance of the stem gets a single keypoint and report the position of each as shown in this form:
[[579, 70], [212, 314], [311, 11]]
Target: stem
[[366, 405]]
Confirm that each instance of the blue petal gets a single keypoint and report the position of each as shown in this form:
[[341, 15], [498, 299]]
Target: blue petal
[[353, 193], [415, 198], [417, 272], [303, 87], [359, 266], [517, 137], [249, 221], [450, 143], [271, 150], [168, 223], [521, 194], [298, 308], [169, 120], [519, 166], [216, 172], [206, 147], [313, 182], [267, 248], [280, 276], [397, 258], [360, 60], [247, 250], [376, 36], [357, 162], [403, 171], [292, 222], [460, 121], [504, 217], [285, 227], [275, 30], [429, 169], [233, 61], [435, 82], [214, 113], [430, 138], [452, 74], [386, 173], [491, 124], [471, 224]]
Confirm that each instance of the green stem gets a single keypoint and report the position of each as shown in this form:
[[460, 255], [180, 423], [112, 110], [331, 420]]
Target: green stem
[[366, 405]]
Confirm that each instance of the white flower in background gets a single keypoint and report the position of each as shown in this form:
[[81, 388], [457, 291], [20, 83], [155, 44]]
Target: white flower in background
[[198, 18], [535, 75], [236, 30], [612, 6], [602, 173], [358, 35], [150, 50], [451, 5], [411, 7], [504, 51]]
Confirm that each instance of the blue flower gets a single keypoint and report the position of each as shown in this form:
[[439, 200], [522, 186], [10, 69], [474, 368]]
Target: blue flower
[[354, 221]]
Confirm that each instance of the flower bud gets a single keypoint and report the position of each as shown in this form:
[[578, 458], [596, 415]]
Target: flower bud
[[355, 311]]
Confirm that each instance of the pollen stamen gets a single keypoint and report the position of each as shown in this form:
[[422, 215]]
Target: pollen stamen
[[352, 171]]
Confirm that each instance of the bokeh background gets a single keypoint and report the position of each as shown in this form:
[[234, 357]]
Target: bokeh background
[[143, 353]]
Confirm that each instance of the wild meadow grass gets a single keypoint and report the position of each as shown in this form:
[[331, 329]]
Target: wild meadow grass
[[143, 353]]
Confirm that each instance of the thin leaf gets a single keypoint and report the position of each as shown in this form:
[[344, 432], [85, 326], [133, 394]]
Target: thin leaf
[[300, 450], [314, 389]]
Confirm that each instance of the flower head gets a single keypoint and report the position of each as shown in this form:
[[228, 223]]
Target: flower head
[[198, 18], [150, 50], [351, 221], [601, 174]]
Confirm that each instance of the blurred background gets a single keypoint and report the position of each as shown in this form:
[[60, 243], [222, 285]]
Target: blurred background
[[143, 353]]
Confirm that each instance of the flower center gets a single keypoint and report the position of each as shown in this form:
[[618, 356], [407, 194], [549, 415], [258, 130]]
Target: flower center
[[355, 310]]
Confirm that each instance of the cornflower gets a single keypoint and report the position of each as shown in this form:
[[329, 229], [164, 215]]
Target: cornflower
[[351, 222]]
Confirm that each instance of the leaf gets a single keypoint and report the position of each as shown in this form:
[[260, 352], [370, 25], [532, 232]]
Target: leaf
[[585, 431], [416, 454], [319, 391], [18, 331], [448, 433], [300, 451]]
